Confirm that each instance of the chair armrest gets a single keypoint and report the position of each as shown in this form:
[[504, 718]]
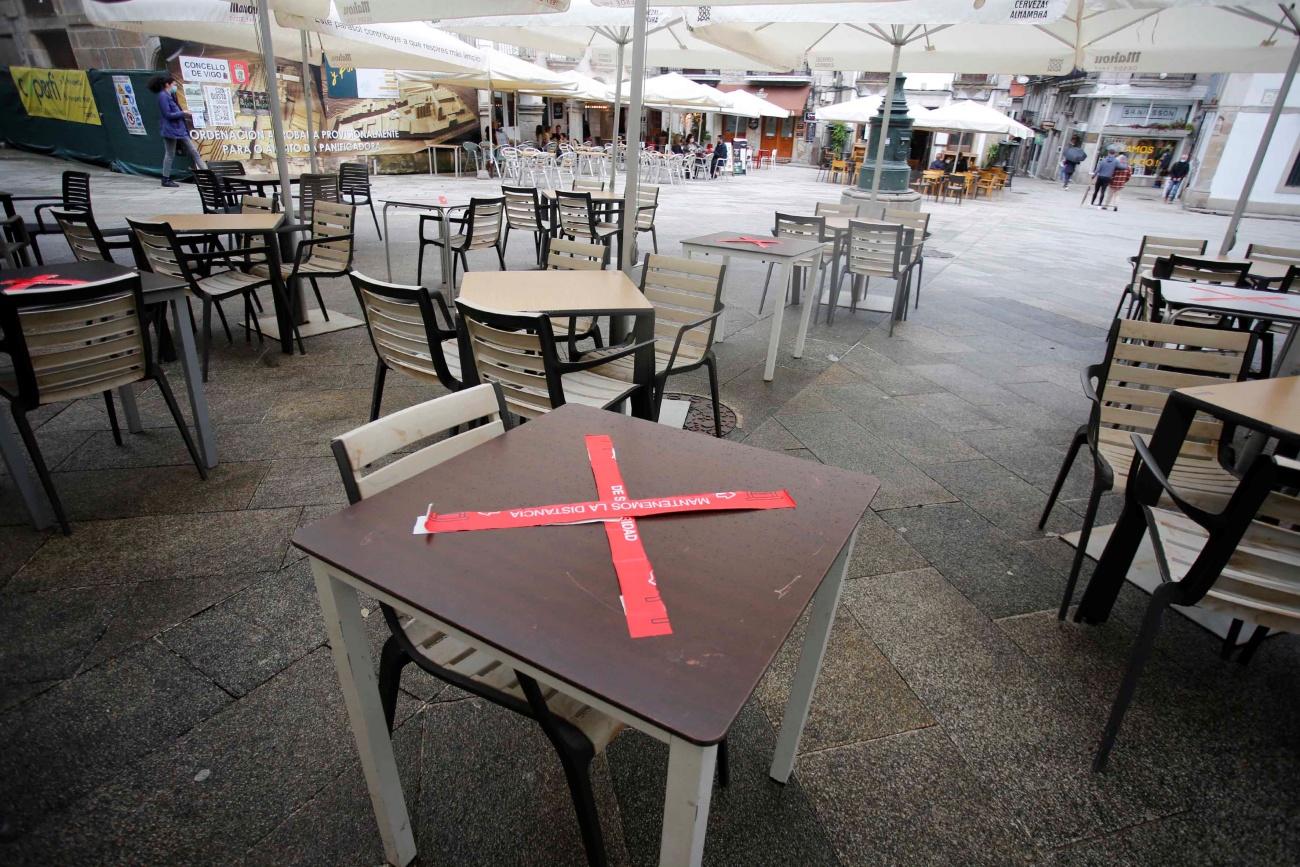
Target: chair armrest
[[34, 198], [1086, 377], [628, 349], [681, 332], [1142, 457], [307, 243], [40, 217]]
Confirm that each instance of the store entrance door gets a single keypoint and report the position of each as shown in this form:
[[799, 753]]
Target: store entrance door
[[778, 136]]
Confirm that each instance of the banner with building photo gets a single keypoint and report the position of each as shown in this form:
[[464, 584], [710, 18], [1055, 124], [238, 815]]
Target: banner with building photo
[[358, 112]]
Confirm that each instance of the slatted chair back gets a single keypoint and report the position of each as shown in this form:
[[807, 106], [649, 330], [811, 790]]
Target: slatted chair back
[[161, 250], [258, 205], [212, 195], [523, 208], [1289, 256], [76, 191], [332, 220], [1196, 270], [354, 179], [312, 188], [1147, 360], [226, 168], [835, 209], [515, 351], [405, 330], [588, 185], [83, 236], [917, 221], [1154, 247], [683, 291], [483, 222], [876, 249], [799, 228], [75, 342], [647, 199], [577, 216], [460, 421], [565, 255]]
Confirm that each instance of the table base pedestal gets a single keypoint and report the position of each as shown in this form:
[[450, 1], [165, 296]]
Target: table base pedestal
[[313, 327]]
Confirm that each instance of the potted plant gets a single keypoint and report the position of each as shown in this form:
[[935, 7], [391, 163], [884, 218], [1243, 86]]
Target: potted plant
[[839, 134]]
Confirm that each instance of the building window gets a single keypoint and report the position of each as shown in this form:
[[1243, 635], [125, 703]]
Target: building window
[[1293, 177], [39, 8], [58, 48]]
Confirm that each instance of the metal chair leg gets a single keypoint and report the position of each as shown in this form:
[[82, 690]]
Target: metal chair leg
[[375, 217], [1089, 516], [1080, 437], [169, 397], [112, 417], [315, 287], [711, 364], [392, 659], [768, 279], [1230, 642], [42, 471], [377, 393], [1256, 639], [1137, 661]]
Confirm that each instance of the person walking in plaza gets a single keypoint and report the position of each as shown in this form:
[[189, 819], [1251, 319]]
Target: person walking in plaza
[[1102, 174], [1123, 171], [175, 130], [1177, 174], [1070, 160]]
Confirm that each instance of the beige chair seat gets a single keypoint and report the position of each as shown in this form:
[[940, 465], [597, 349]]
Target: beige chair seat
[[687, 354], [1200, 479], [230, 281], [1261, 582], [451, 653], [311, 266]]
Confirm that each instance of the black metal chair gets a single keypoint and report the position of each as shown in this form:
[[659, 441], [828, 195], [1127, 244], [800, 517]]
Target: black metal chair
[[407, 336], [75, 196], [88, 244], [578, 219], [480, 229], [68, 343], [1240, 560], [354, 186], [14, 242], [213, 195], [1144, 362], [313, 187], [525, 211]]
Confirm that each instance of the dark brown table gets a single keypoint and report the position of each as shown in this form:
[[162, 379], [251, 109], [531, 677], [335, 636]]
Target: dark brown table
[[157, 290], [545, 600], [1270, 407]]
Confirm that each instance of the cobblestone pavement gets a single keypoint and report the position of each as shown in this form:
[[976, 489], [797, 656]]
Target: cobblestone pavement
[[166, 695]]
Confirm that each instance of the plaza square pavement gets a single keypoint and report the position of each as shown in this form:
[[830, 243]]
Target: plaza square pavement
[[168, 697]]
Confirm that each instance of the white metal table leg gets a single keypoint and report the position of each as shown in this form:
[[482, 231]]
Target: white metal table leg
[[686, 803], [778, 316], [189, 358], [14, 457], [126, 394], [810, 301], [350, 645], [820, 620]]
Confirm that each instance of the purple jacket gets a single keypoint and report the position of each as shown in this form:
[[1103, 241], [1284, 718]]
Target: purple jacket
[[173, 119]]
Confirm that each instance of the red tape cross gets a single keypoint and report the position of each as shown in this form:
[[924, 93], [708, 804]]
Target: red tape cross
[[642, 606], [763, 243], [18, 284], [1220, 295]]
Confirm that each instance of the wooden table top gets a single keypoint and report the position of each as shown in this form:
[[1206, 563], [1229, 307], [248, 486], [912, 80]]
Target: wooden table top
[[555, 292], [784, 248], [1270, 405], [90, 272], [259, 222], [1257, 304], [734, 583]]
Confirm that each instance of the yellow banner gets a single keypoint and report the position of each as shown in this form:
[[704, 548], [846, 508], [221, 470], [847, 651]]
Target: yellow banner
[[61, 94]]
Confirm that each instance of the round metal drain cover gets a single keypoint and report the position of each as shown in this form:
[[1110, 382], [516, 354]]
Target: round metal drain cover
[[699, 417]]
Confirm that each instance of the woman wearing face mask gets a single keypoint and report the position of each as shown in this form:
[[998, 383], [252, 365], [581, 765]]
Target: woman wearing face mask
[[175, 133]]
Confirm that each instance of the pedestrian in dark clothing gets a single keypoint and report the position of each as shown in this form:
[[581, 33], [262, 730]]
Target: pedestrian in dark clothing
[[1177, 174], [1070, 161], [175, 132], [1102, 175], [719, 157]]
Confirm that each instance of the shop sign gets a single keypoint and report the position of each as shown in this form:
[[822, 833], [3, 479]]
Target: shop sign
[[209, 70]]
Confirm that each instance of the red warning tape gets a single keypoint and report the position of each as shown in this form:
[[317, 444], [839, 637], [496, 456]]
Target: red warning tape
[[642, 605]]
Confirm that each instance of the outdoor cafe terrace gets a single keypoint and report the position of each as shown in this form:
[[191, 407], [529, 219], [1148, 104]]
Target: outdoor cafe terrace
[[171, 692]]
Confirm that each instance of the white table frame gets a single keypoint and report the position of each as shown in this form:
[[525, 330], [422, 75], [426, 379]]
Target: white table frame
[[444, 252], [14, 455], [690, 766], [786, 261]]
